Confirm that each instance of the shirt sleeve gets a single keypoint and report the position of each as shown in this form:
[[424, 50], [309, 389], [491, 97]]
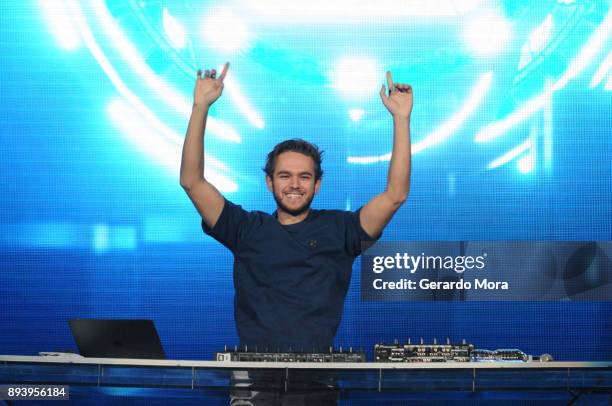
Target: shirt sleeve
[[356, 237], [230, 226]]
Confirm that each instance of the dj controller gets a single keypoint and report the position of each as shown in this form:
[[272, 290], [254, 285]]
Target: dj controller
[[382, 352]]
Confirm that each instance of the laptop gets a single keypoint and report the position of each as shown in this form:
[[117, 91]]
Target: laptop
[[97, 338]]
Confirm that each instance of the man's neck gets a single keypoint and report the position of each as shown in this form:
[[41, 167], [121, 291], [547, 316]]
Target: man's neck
[[287, 219]]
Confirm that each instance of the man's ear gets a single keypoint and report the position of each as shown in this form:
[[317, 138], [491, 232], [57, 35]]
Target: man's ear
[[269, 183], [317, 185]]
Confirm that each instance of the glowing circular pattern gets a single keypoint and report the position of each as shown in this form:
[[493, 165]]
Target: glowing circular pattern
[[484, 72]]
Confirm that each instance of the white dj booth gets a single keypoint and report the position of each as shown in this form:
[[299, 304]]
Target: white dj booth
[[563, 381]]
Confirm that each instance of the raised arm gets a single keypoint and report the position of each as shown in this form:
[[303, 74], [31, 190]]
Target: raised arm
[[205, 197], [375, 215]]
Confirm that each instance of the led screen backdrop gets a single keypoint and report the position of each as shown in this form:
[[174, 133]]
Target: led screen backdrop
[[511, 141]]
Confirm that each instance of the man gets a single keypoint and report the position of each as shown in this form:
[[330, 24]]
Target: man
[[292, 268]]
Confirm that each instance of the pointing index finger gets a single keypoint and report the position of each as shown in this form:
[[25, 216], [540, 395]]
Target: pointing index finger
[[224, 72], [389, 80]]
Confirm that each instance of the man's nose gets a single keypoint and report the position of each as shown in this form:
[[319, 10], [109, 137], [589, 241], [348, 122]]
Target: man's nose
[[295, 182]]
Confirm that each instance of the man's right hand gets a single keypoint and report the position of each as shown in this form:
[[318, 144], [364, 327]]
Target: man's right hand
[[209, 88]]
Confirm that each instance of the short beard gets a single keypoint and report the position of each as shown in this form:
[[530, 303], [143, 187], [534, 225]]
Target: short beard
[[293, 212]]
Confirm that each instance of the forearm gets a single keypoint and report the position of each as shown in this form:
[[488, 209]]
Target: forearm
[[192, 161], [398, 178]]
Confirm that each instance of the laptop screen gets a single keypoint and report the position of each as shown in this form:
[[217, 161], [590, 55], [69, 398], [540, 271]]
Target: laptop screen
[[117, 338]]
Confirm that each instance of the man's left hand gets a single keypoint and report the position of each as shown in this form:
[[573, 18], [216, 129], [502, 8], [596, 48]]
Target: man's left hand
[[399, 100]]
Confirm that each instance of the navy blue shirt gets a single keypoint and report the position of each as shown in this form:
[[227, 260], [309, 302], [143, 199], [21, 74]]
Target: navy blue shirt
[[290, 280]]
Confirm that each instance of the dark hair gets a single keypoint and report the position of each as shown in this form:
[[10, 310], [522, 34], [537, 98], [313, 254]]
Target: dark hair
[[295, 145]]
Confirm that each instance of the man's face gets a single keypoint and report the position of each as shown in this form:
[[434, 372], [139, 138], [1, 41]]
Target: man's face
[[293, 184]]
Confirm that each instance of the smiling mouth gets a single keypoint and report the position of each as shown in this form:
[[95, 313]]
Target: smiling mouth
[[293, 195]]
